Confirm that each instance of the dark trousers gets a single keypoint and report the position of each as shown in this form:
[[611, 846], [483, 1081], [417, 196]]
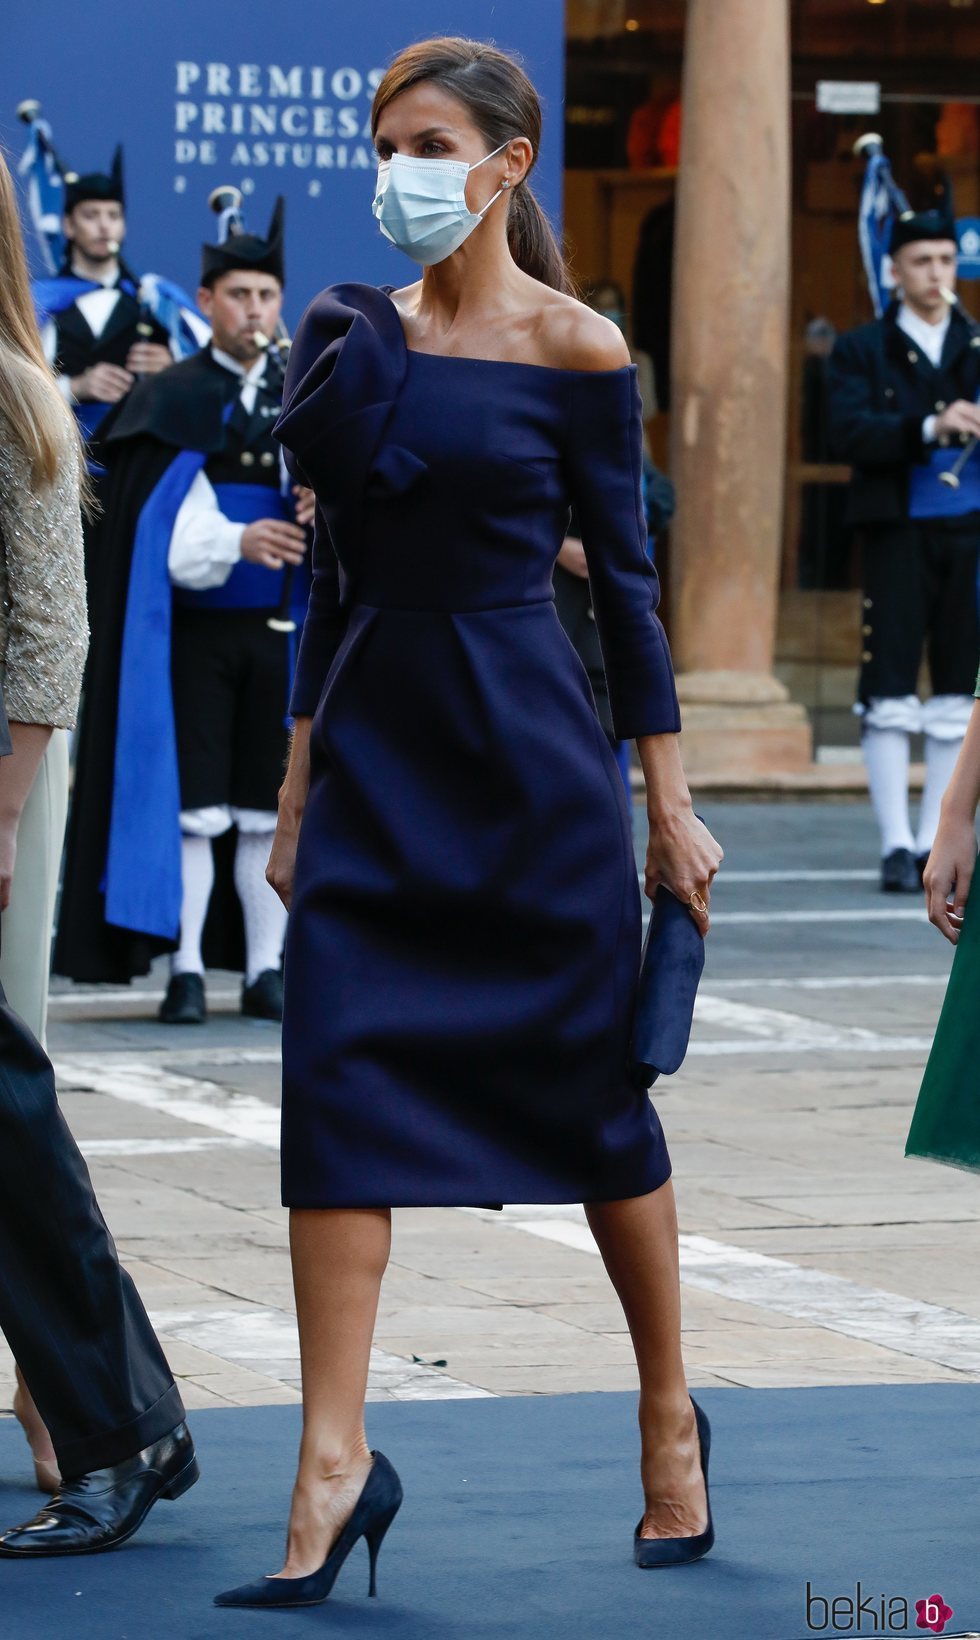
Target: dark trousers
[[920, 593], [71, 1315]]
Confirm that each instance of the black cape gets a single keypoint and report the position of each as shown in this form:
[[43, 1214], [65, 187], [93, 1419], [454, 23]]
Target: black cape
[[181, 409]]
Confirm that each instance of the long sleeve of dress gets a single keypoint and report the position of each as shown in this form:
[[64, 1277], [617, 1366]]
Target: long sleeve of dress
[[324, 627], [603, 468], [43, 619]]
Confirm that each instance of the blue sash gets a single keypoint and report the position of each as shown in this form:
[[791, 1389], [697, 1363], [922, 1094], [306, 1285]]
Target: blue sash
[[143, 876], [90, 414], [251, 586], [53, 296], [928, 498], [143, 887]]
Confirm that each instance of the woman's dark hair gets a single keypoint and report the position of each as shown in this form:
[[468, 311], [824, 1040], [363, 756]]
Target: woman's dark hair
[[503, 104]]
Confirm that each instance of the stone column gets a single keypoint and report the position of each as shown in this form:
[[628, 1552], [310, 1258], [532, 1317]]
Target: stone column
[[728, 432]]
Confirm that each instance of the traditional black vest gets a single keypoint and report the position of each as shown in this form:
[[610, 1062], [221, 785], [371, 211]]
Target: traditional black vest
[[249, 455], [77, 348]]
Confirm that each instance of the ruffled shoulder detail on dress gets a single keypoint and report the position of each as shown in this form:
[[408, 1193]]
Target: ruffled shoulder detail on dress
[[346, 368]]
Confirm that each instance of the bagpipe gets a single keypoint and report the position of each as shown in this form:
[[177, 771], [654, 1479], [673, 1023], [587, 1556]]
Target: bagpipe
[[882, 203], [226, 203], [161, 301]]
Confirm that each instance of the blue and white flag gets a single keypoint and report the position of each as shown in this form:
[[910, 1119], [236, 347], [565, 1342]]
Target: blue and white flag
[[45, 191], [882, 200], [175, 312]]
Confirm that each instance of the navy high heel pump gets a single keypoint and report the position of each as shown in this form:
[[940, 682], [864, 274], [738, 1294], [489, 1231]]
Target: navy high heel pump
[[679, 1551], [374, 1512]]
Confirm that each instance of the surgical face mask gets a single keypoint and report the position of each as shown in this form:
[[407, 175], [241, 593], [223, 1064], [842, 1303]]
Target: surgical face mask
[[420, 205]]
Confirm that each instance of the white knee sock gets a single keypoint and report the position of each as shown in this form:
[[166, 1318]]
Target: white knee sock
[[886, 756], [197, 872], [264, 912], [941, 755]]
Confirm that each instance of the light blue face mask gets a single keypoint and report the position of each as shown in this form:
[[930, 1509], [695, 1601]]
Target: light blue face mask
[[420, 205]]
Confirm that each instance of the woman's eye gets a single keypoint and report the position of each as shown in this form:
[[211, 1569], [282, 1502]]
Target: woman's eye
[[430, 148]]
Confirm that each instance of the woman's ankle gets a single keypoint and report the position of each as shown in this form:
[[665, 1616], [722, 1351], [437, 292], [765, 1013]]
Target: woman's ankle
[[325, 1460], [666, 1410]]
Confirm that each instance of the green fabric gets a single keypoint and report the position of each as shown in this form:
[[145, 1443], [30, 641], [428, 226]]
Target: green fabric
[[946, 1123]]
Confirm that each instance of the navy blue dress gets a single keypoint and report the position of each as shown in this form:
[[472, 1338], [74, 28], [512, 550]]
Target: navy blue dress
[[464, 939]]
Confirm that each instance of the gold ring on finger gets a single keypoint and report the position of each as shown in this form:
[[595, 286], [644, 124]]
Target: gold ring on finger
[[698, 904]]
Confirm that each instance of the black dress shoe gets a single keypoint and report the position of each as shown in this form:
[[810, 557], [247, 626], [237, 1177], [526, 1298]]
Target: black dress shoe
[[184, 1002], [900, 873], [263, 998], [102, 1509]]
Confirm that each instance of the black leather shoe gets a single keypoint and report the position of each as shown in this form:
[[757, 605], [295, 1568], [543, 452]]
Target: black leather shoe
[[184, 1002], [102, 1509], [900, 873], [263, 998]]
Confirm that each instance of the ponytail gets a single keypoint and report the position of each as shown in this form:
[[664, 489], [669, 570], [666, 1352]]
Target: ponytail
[[534, 244]]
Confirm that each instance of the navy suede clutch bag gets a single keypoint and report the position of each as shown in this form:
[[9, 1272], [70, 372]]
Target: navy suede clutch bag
[[670, 968]]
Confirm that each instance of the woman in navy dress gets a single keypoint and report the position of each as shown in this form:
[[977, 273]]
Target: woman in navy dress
[[454, 841]]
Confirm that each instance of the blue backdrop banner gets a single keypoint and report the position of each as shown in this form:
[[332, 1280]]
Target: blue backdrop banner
[[274, 98]]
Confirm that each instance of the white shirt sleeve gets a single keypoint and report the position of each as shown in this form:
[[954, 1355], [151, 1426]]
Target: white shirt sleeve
[[49, 344], [929, 430], [205, 545]]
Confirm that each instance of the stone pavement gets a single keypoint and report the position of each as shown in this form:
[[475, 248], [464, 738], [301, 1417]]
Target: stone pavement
[[812, 1251]]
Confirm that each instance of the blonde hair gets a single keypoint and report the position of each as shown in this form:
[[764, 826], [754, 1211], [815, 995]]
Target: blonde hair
[[38, 417]]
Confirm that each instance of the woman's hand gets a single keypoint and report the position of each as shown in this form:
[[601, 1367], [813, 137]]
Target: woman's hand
[[281, 870], [949, 873], [571, 557], [682, 854], [17, 776], [8, 854], [950, 867]]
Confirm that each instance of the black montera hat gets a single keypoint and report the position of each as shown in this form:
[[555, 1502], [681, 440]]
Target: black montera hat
[[245, 252], [96, 184], [913, 225]]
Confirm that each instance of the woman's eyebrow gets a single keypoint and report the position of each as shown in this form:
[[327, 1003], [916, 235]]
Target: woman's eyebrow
[[423, 136]]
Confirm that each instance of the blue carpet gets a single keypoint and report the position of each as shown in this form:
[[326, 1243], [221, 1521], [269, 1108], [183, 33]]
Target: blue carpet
[[518, 1521]]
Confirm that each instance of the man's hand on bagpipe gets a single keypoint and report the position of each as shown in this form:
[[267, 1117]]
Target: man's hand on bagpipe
[[274, 543], [148, 358], [961, 419], [305, 502]]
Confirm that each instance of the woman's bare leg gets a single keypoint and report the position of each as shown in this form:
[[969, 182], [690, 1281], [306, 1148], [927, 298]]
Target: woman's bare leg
[[339, 1257], [638, 1242], [33, 1425]]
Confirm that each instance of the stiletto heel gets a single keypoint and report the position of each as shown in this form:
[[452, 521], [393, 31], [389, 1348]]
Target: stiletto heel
[[375, 1538], [373, 1513], [649, 1552]]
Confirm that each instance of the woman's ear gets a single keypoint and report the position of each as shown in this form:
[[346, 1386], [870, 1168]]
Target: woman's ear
[[519, 157]]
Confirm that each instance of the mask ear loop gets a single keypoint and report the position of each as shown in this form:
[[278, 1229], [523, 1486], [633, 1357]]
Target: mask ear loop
[[502, 189], [503, 186]]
